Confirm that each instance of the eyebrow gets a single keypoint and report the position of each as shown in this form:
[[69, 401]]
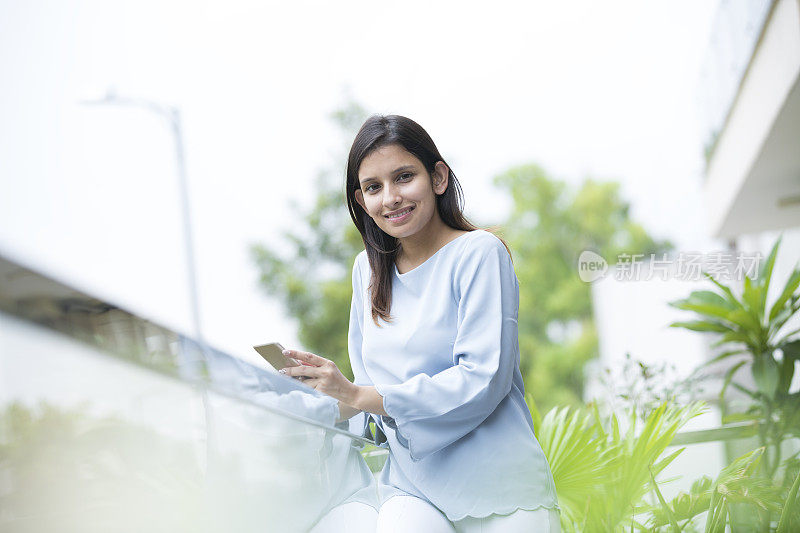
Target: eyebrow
[[395, 171]]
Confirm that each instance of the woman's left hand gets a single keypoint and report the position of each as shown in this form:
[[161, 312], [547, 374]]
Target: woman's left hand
[[321, 374]]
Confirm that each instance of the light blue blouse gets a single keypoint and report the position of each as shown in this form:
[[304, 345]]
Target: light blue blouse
[[459, 431]]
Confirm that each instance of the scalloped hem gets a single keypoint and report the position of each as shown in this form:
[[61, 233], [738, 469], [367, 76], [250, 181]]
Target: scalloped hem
[[507, 512]]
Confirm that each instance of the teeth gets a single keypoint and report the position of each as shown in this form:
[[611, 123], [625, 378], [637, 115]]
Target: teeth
[[400, 214]]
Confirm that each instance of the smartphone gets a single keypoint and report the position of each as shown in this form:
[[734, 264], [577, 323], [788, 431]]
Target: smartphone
[[273, 354]]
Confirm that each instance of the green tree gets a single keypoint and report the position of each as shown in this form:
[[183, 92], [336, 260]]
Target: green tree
[[548, 227]]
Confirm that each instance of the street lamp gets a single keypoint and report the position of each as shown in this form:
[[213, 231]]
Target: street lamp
[[173, 117]]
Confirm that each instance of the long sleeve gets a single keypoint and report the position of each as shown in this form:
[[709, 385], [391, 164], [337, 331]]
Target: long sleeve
[[359, 423], [431, 412]]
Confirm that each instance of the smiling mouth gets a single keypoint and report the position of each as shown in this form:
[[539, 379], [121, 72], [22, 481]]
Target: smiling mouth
[[400, 214]]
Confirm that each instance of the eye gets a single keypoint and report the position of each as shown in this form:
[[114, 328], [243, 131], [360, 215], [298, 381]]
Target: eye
[[405, 176]]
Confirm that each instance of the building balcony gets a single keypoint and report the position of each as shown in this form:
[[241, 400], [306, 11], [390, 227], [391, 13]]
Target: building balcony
[[753, 102]]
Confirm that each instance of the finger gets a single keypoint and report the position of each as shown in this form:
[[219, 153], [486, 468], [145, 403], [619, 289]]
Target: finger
[[306, 357], [300, 371]]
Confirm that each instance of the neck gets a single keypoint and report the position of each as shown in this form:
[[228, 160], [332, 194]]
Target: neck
[[425, 242]]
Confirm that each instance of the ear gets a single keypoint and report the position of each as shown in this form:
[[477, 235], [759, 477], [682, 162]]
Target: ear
[[360, 199], [440, 177]]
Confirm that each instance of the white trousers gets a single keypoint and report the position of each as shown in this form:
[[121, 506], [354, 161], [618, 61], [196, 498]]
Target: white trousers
[[408, 514]]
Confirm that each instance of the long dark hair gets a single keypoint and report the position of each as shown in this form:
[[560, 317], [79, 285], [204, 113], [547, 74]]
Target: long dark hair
[[376, 132]]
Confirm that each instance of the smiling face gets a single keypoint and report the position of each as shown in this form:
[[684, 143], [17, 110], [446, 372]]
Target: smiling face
[[394, 182]]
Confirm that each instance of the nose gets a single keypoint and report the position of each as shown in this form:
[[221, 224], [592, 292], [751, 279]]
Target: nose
[[391, 196]]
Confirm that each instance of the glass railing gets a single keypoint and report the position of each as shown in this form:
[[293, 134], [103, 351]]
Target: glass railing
[[109, 422]]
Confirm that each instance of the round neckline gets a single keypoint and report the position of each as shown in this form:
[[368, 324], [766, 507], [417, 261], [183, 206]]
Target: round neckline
[[445, 245]]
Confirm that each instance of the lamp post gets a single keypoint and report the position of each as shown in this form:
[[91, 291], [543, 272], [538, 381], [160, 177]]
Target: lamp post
[[173, 117]]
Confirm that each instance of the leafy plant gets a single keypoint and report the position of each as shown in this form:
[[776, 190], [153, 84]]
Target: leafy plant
[[641, 387], [790, 515], [602, 472], [682, 508], [751, 328], [737, 484]]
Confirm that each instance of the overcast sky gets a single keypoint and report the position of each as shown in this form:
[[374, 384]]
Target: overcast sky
[[585, 88]]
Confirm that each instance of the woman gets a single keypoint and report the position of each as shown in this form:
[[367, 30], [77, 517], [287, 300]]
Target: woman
[[434, 349]]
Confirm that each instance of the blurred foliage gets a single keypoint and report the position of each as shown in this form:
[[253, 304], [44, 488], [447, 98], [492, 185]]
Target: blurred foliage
[[605, 476], [603, 471], [753, 332], [547, 229], [738, 484], [68, 470], [757, 491], [641, 387], [78, 469]]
